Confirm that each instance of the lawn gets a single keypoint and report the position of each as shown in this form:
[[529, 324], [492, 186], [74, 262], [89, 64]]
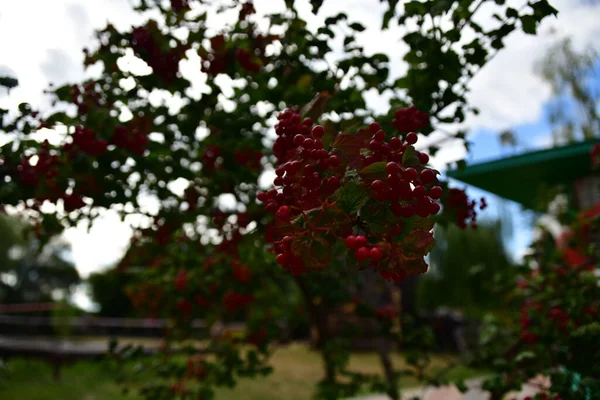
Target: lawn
[[297, 370]]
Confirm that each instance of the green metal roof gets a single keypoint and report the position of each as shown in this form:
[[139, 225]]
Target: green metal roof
[[523, 177]]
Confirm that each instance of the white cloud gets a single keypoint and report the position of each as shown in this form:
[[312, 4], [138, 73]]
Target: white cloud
[[507, 90]]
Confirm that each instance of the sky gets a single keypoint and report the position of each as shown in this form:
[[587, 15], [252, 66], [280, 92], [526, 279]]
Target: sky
[[42, 42]]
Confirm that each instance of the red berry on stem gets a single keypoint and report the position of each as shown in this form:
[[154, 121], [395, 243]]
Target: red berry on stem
[[412, 138], [374, 127], [436, 192], [376, 254], [318, 131], [423, 158], [427, 176], [419, 191], [333, 161], [378, 185], [283, 213], [374, 145], [395, 143], [362, 254], [379, 136], [435, 208], [351, 243], [410, 174], [361, 241], [393, 168], [299, 139], [281, 259]]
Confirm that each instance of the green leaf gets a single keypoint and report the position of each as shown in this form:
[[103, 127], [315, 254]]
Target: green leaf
[[316, 5], [357, 26], [529, 24], [348, 145], [351, 197], [374, 171], [410, 158], [461, 386], [511, 13], [8, 82], [524, 356]]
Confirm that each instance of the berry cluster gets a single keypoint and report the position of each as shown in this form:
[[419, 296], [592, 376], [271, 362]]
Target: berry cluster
[[249, 158], [179, 5], [308, 176], [458, 203], [45, 169], [164, 63], [133, 140], [410, 119], [84, 140], [86, 98], [250, 55]]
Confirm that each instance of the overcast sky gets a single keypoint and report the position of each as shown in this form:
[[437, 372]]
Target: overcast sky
[[42, 42]]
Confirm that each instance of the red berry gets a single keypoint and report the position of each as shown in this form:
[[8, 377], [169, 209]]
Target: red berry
[[362, 254], [318, 132], [261, 196], [374, 145], [436, 192], [333, 161], [395, 143], [351, 243], [299, 139], [280, 171], [423, 158], [412, 138], [419, 191], [427, 176], [376, 254], [393, 168], [318, 144], [374, 127], [333, 183], [308, 143], [435, 208], [278, 181], [378, 185], [281, 259], [361, 241], [396, 209], [379, 136], [410, 174], [283, 213]]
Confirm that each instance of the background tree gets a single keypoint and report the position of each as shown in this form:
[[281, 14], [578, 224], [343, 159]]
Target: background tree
[[573, 77], [34, 272], [467, 268], [108, 289]]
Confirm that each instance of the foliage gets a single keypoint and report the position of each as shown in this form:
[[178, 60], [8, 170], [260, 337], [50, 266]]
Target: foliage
[[34, 272], [108, 291], [467, 270], [572, 76], [556, 319], [198, 256]]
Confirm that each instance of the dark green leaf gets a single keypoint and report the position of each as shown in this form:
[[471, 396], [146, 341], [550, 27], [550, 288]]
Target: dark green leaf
[[351, 197], [529, 24], [374, 171], [357, 26]]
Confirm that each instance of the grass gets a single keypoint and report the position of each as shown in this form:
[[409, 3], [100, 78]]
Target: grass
[[297, 371]]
